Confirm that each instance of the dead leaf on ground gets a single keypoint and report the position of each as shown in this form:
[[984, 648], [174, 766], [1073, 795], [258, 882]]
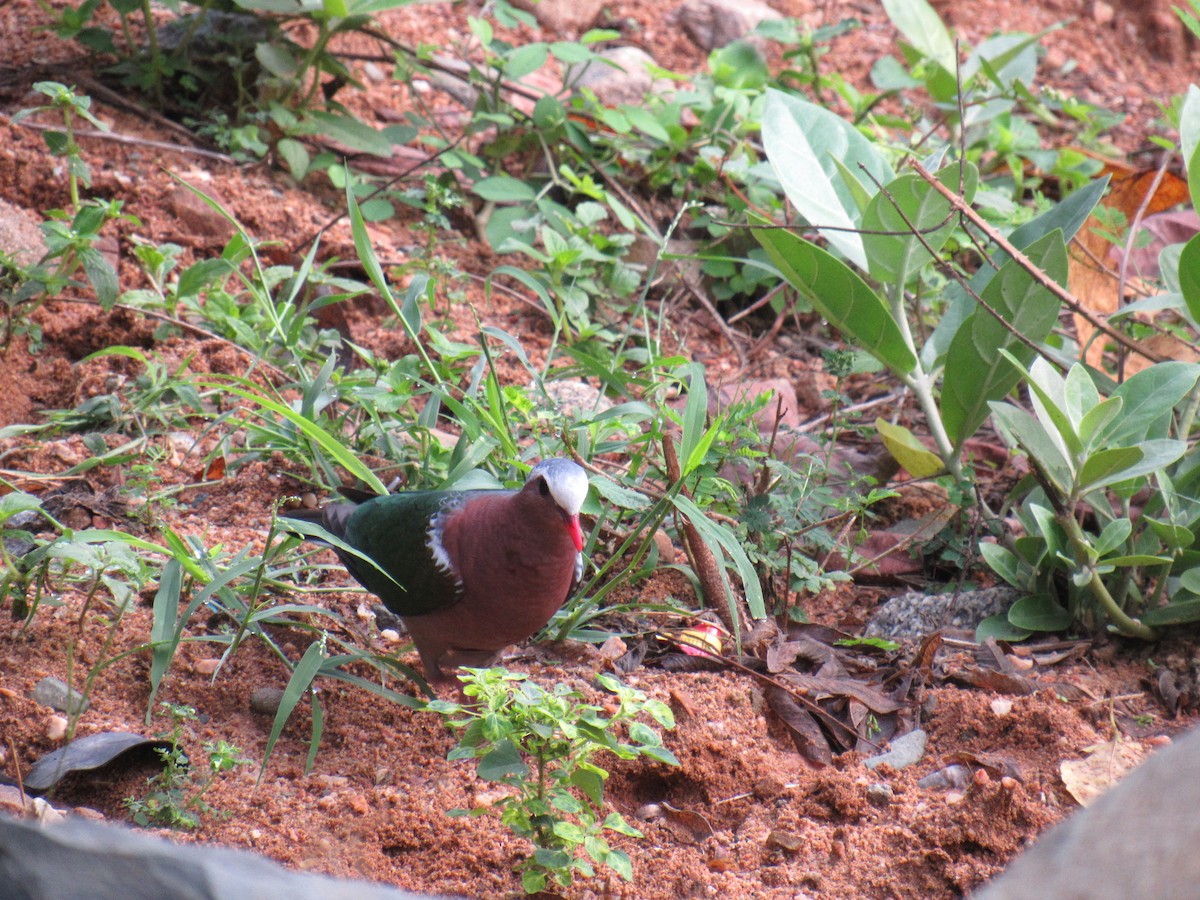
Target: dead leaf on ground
[[1105, 765]]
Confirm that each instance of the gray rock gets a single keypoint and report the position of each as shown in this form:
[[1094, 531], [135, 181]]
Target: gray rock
[[714, 23], [79, 860], [57, 694], [630, 82], [915, 615], [1138, 840], [906, 750], [562, 17]]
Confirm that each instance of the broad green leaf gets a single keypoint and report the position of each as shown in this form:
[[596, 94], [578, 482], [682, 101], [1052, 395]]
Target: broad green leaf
[[1107, 467], [1175, 537], [1068, 217], [1079, 396], [839, 294], [1095, 420], [1148, 396], [894, 252], [525, 59], [923, 28], [619, 495], [1139, 559], [1115, 533], [1000, 628], [1179, 612], [644, 121], [504, 189], [1004, 563], [1039, 612], [1189, 269], [345, 129], [803, 143], [977, 372], [1156, 454], [1189, 137], [1047, 394], [501, 762], [918, 460], [1036, 442]]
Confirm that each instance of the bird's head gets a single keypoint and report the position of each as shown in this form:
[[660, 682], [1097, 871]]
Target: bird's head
[[566, 485]]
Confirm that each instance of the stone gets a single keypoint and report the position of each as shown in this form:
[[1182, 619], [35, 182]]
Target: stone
[[265, 700], [714, 23], [915, 615], [905, 750], [199, 225], [563, 17], [630, 82], [55, 693]]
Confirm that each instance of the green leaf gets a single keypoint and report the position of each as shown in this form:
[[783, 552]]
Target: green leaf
[[502, 761], [314, 432], [1189, 271], [1000, 628], [1115, 534], [1179, 612], [1068, 217], [894, 252], [839, 294], [525, 59], [906, 449], [346, 129], [1107, 467], [641, 119], [1004, 563], [977, 371], [804, 144], [1148, 397], [1039, 612], [504, 189], [923, 28], [302, 678]]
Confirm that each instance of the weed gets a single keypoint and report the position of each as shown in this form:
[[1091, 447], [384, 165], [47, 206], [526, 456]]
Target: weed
[[541, 745], [176, 795]]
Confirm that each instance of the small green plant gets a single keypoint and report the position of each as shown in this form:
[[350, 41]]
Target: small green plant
[[1090, 456], [541, 744], [70, 106], [176, 796]]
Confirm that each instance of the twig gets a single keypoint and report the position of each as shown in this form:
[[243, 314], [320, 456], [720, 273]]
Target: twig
[[1025, 263], [118, 138]]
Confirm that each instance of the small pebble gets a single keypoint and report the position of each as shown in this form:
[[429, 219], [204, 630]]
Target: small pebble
[[206, 666], [879, 794], [390, 635], [55, 693], [1002, 706], [905, 750], [265, 700], [785, 840], [953, 797], [955, 776], [648, 811], [56, 728], [981, 777], [1008, 783]]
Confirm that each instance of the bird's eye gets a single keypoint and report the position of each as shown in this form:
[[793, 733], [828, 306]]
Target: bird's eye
[[543, 488]]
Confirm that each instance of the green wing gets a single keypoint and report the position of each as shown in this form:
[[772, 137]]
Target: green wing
[[393, 531]]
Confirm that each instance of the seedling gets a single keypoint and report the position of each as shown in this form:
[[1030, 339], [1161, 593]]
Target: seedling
[[540, 744]]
